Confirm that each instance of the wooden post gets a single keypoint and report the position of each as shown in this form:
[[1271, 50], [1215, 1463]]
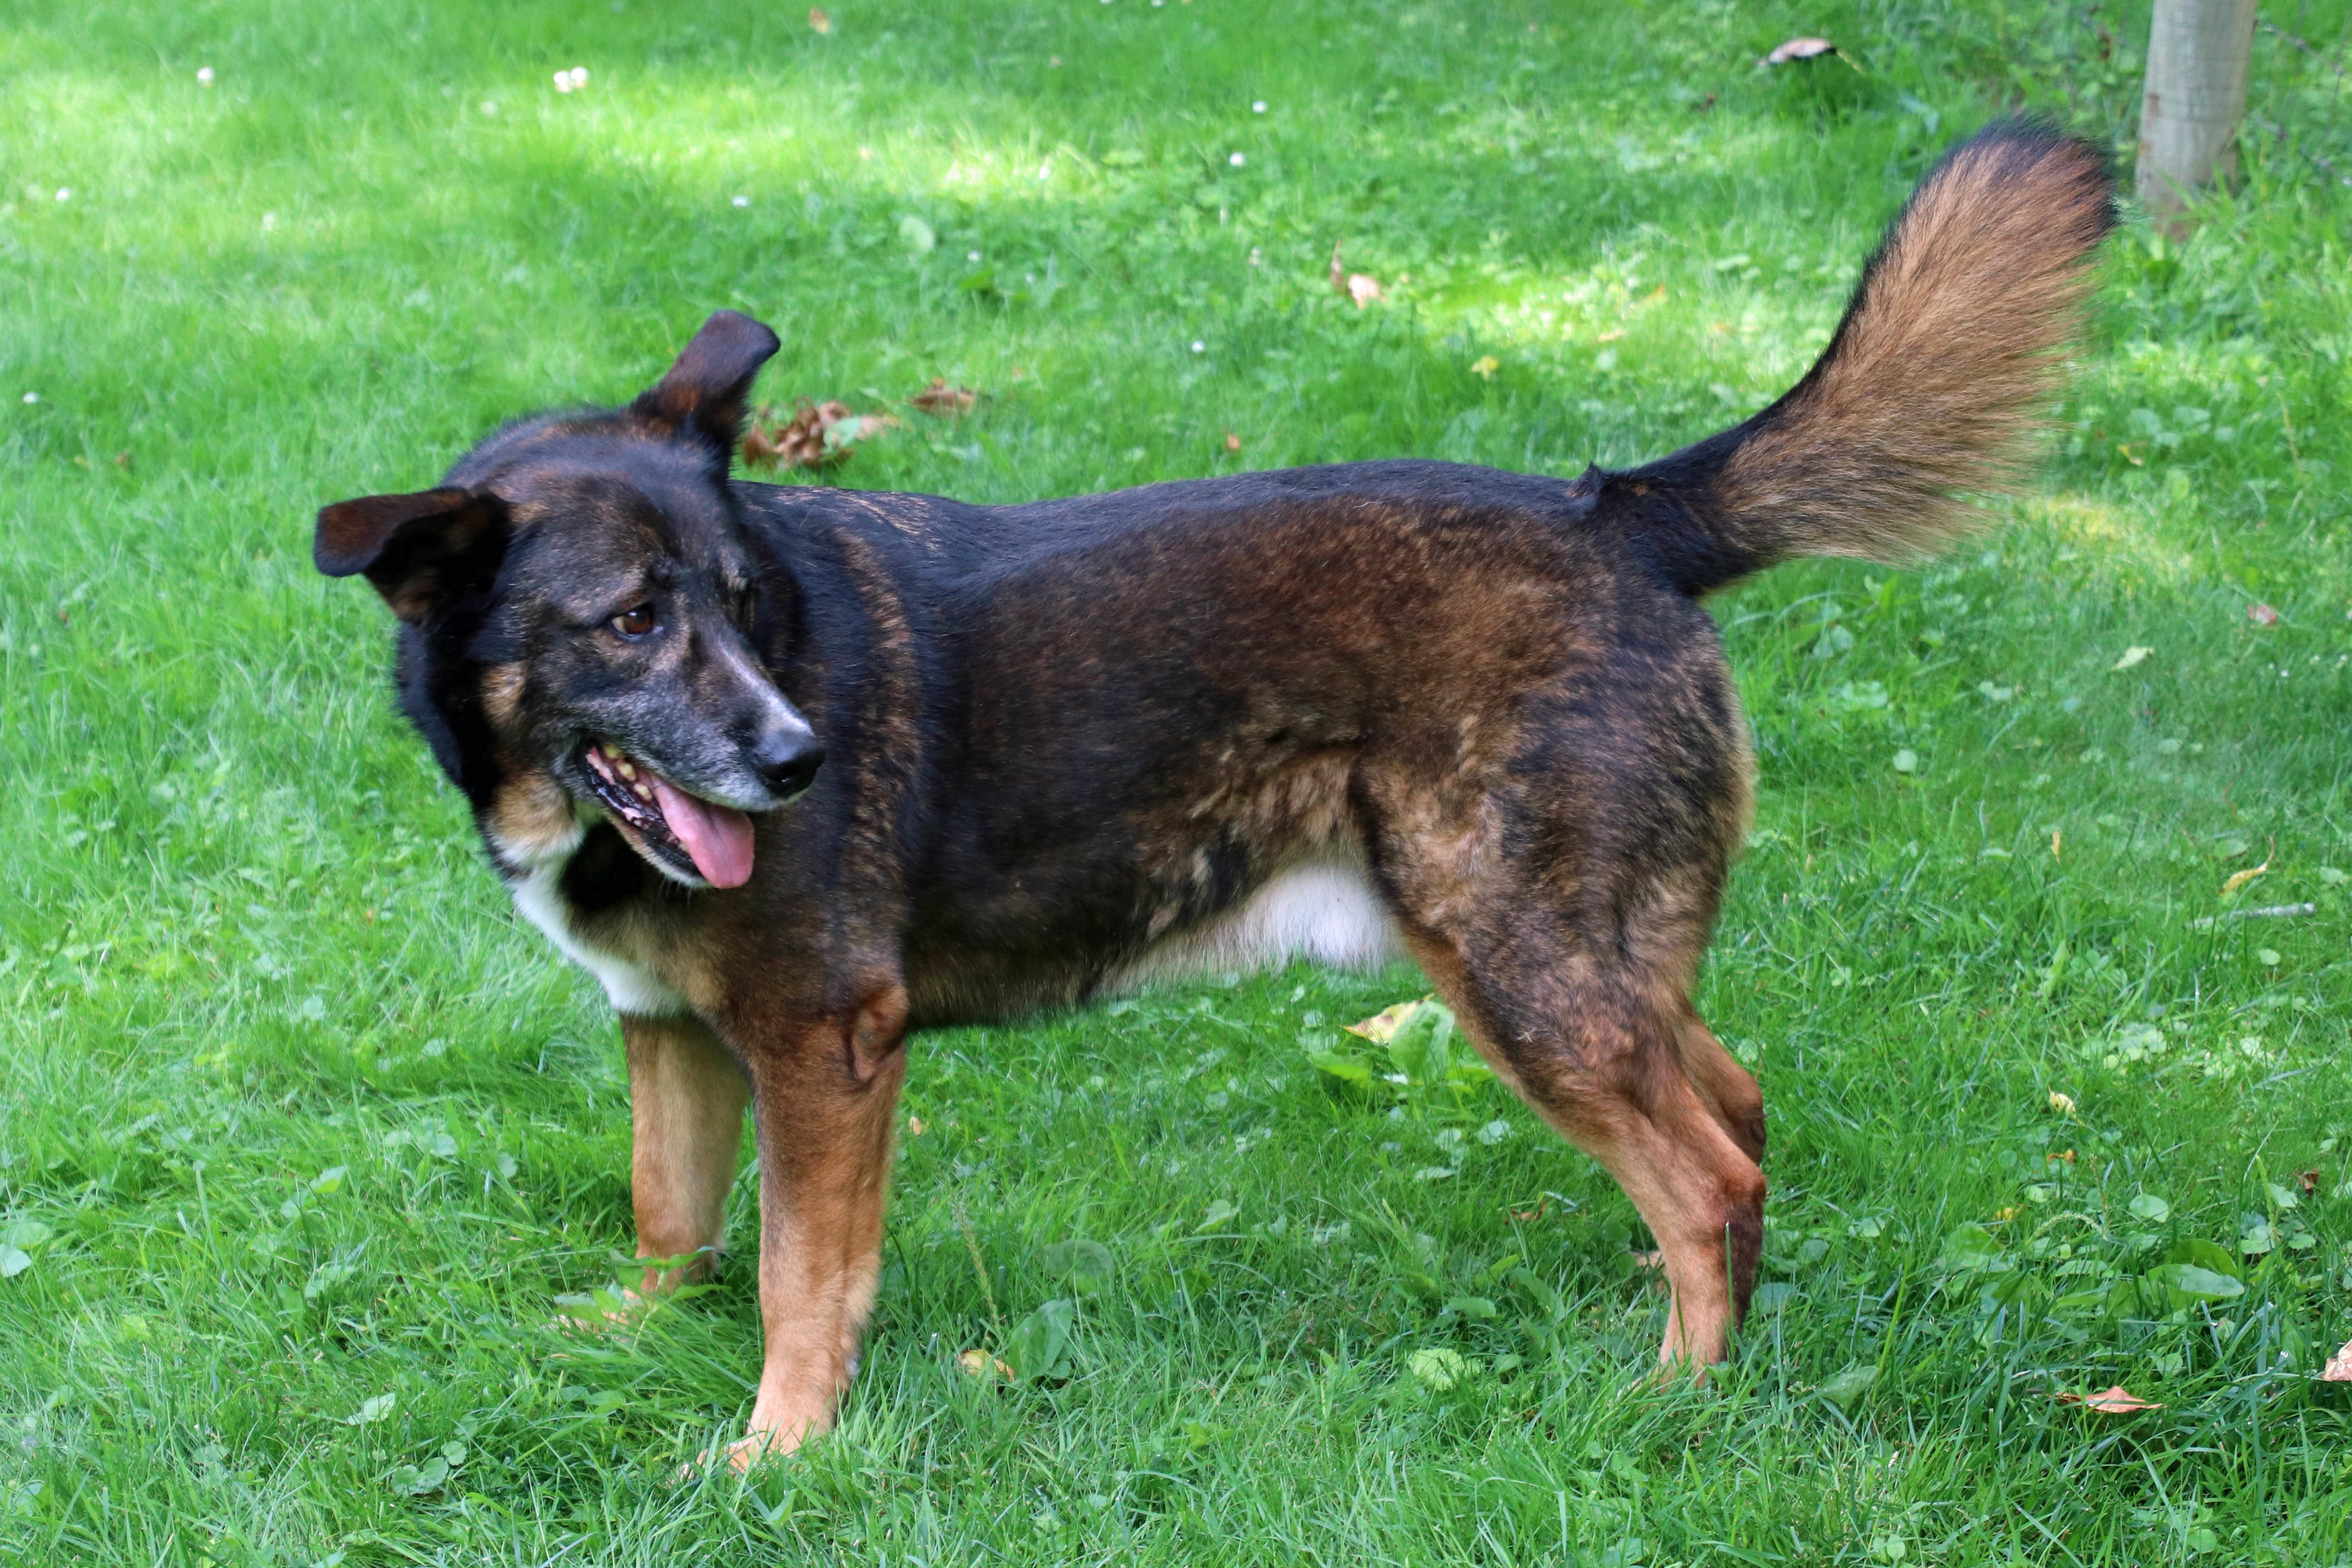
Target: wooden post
[[2197, 55]]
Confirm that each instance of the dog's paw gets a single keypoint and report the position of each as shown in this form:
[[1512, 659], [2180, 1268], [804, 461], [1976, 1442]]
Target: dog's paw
[[741, 1456], [605, 1311]]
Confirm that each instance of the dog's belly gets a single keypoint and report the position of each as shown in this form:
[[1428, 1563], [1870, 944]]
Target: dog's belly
[[1325, 911]]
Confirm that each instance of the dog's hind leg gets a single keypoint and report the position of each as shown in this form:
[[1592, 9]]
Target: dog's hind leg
[[1729, 1089], [1600, 1056], [686, 1094], [824, 1092], [1554, 857]]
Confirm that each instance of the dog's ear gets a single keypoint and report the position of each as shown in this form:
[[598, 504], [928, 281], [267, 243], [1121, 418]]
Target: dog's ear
[[703, 393], [414, 547]]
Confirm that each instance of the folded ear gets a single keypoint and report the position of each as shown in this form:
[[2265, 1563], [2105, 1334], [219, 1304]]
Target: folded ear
[[415, 549], [703, 393]]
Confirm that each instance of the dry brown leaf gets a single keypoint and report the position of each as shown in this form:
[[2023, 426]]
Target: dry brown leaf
[[980, 1364], [2308, 1181], [122, 461], [1801, 49], [1361, 287], [1232, 442], [2339, 1367], [819, 21], [818, 436], [2116, 1401], [944, 401], [2261, 614]]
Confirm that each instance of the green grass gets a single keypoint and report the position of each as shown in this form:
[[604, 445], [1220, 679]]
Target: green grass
[[298, 1127]]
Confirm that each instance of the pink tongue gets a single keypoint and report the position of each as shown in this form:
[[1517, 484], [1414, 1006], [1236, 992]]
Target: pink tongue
[[718, 837]]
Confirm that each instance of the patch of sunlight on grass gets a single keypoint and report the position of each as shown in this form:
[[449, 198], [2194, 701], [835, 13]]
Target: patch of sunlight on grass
[[2121, 534]]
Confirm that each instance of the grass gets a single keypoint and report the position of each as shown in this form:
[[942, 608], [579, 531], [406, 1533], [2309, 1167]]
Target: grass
[[301, 1134]]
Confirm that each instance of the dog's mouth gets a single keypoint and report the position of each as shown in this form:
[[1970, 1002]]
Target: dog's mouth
[[715, 840]]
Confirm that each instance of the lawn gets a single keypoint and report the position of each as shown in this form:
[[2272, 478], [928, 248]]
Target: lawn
[[303, 1136]]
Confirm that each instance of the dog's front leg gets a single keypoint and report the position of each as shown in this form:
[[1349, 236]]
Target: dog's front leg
[[824, 1092], [687, 1095]]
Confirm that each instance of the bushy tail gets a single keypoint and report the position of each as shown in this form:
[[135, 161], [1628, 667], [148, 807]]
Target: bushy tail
[[1936, 385]]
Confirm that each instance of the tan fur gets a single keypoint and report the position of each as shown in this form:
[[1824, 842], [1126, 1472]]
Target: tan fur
[[824, 1114], [687, 1095], [1941, 376]]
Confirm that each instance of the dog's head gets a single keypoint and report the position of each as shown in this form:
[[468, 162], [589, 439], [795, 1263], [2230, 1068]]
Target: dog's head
[[579, 610]]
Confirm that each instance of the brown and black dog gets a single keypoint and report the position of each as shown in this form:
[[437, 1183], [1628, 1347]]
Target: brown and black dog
[[1476, 717]]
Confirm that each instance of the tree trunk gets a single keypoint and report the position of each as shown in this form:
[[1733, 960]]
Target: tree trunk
[[2196, 54]]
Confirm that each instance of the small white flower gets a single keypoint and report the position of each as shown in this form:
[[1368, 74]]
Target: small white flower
[[572, 81], [742, 201], [971, 256], [32, 397], [65, 193], [489, 106], [203, 76], [269, 222], [1255, 258], [1258, 108], [1044, 171], [1237, 160], [1199, 347]]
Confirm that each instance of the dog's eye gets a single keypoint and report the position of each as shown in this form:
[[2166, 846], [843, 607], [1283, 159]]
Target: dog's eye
[[634, 622]]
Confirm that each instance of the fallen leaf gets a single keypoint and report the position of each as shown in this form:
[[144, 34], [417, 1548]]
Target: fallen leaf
[[1801, 49], [1232, 442], [915, 1128], [980, 1364], [1362, 287], [819, 21], [2239, 878], [2132, 655], [2261, 614], [818, 436], [2063, 1104], [1382, 1026], [2339, 1365], [1484, 366], [2116, 1401], [122, 461], [2308, 1181], [1610, 336], [947, 402]]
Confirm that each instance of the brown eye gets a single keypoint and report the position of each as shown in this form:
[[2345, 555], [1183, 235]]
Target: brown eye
[[634, 622]]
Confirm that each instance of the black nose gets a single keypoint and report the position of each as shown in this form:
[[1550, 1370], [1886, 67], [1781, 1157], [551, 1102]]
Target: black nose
[[787, 761]]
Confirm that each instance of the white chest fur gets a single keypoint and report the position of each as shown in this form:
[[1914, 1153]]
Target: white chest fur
[[634, 988], [1325, 911]]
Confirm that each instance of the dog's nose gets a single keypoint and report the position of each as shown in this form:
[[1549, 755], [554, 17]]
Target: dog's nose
[[787, 761]]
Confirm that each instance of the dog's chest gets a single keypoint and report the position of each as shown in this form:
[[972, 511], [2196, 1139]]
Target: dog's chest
[[633, 986]]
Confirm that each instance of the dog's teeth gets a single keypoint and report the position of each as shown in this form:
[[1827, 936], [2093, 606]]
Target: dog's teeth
[[627, 769], [644, 792]]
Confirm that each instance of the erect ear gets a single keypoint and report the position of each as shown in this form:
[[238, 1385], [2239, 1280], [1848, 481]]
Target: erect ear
[[704, 392], [415, 547]]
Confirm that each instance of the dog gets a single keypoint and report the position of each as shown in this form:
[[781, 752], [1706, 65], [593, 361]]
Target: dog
[[794, 770]]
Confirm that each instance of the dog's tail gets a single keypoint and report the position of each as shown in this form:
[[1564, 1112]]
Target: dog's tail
[[1936, 385]]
